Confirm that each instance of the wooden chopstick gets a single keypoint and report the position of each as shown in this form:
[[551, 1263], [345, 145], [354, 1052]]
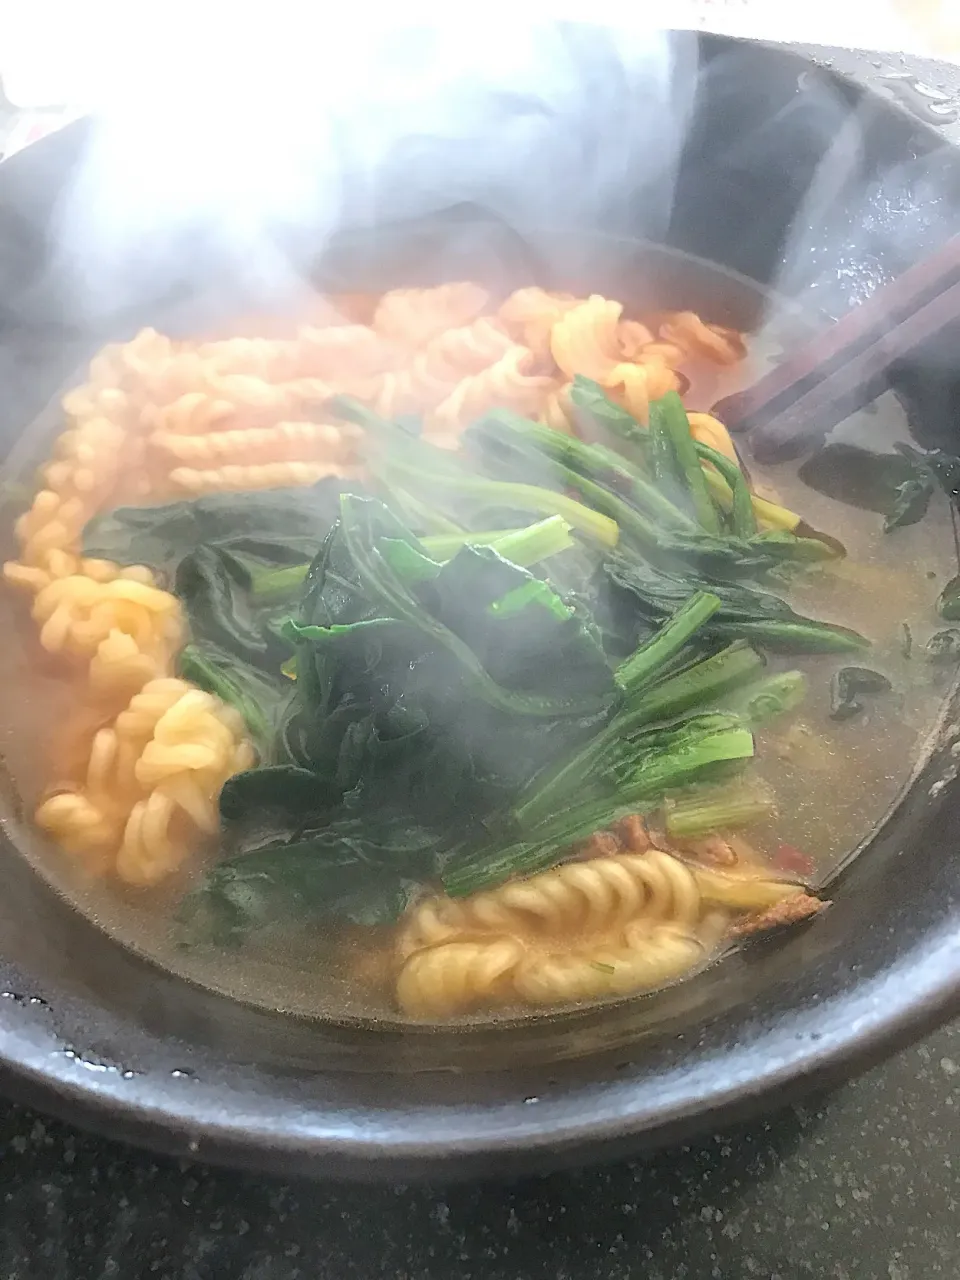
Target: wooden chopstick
[[841, 369], [851, 385]]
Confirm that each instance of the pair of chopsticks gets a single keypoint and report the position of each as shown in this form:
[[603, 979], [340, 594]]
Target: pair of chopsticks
[[844, 368]]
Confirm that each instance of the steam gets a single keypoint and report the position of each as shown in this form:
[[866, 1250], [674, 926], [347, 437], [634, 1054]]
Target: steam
[[834, 197], [224, 160], [253, 150]]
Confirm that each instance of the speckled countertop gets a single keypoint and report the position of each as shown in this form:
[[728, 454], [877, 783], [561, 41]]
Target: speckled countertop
[[863, 1184]]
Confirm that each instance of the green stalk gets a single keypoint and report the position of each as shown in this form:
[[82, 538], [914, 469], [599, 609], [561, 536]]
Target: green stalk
[[706, 810], [764, 512], [698, 686], [742, 518], [768, 699], [238, 685], [523, 547], [594, 481], [802, 637], [601, 528], [420, 515], [642, 666], [591, 401], [694, 754], [590, 461], [418, 462], [671, 418], [271, 586], [527, 547]]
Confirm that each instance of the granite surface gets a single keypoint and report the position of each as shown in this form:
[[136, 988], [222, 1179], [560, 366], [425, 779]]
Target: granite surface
[[863, 1184]]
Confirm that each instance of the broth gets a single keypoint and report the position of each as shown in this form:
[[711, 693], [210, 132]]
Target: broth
[[834, 780]]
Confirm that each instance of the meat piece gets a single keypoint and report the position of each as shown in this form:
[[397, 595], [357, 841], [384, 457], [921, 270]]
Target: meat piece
[[712, 851], [632, 831], [602, 844], [801, 906]]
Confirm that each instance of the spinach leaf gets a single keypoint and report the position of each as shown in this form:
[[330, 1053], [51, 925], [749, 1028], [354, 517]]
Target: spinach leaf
[[745, 611], [911, 502], [213, 587], [353, 568], [279, 526], [293, 854], [275, 794], [858, 477], [258, 697], [422, 688], [313, 878], [593, 409], [898, 486], [948, 602], [619, 771], [644, 509]]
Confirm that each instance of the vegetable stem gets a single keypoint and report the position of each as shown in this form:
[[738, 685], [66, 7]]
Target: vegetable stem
[[270, 586], [637, 671], [742, 517], [527, 547], [697, 749], [768, 699], [524, 547], [527, 497], [590, 461], [705, 810], [671, 417], [695, 687], [698, 685]]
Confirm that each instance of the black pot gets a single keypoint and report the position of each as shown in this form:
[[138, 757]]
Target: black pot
[[100, 1035]]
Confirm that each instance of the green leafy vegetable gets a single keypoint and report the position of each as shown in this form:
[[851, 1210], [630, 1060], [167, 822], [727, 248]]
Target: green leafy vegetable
[[649, 660], [435, 695], [525, 547], [859, 477], [319, 875], [700, 685], [743, 520], [647, 516], [595, 411], [458, 714], [912, 501], [771, 698], [436, 480], [708, 809], [668, 420], [259, 698], [280, 526], [948, 602], [637, 776], [213, 586], [697, 685], [899, 486], [744, 611]]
